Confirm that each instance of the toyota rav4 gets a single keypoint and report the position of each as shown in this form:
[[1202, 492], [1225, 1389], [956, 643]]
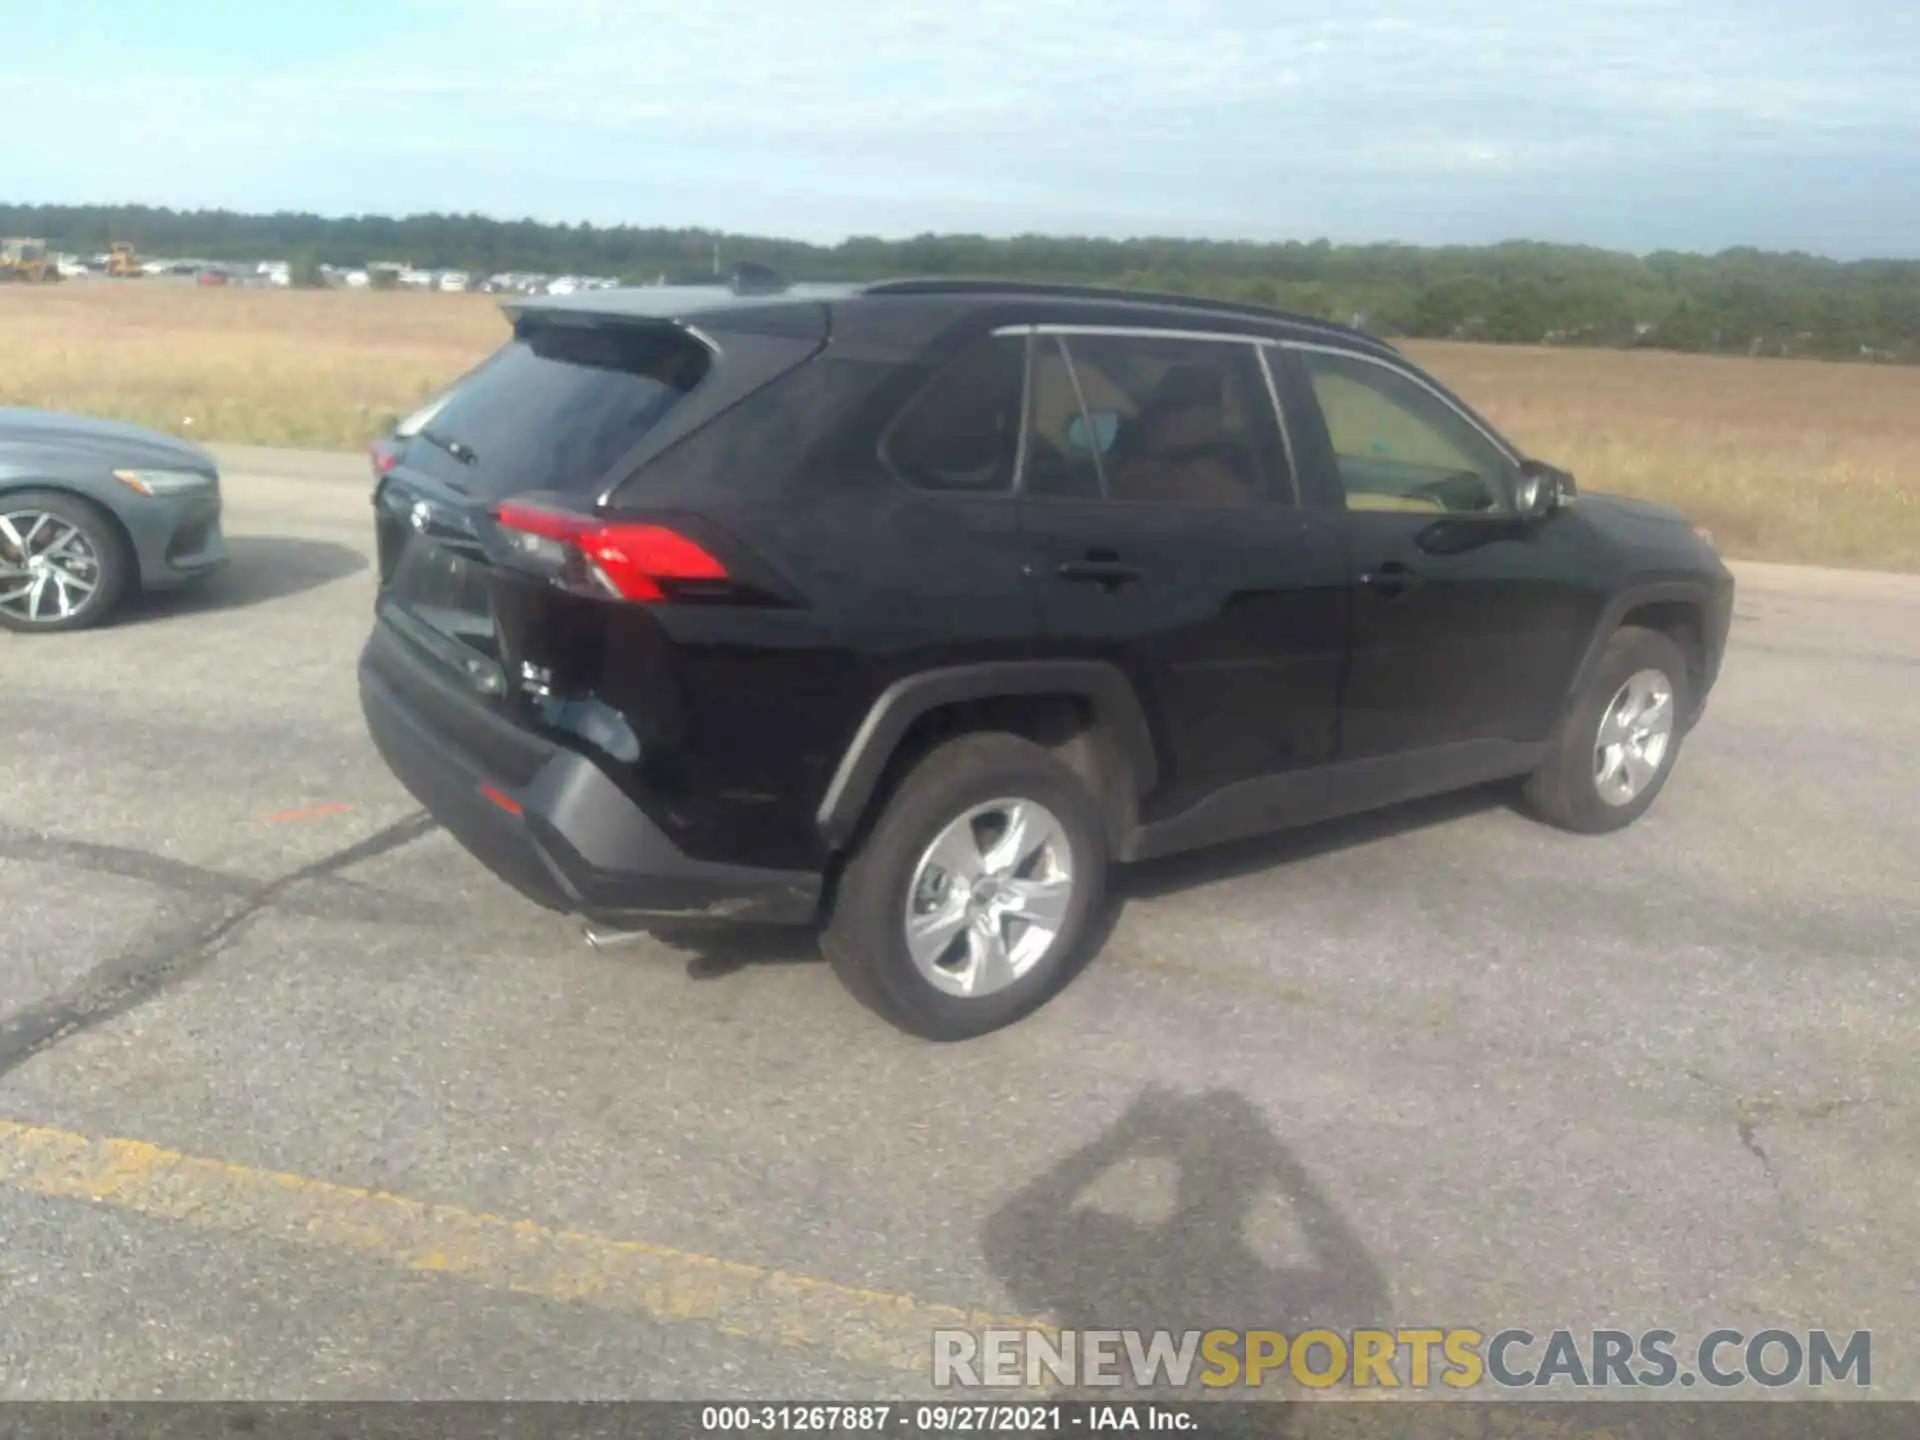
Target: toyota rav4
[[905, 610]]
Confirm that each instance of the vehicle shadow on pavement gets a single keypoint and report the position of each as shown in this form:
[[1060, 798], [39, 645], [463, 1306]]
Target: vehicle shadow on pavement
[[1187, 1214], [259, 568], [722, 951], [715, 952], [1150, 878], [718, 951]]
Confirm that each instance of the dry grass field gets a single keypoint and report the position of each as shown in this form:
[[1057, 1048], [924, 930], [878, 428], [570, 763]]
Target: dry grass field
[[316, 369], [1793, 460], [1785, 460]]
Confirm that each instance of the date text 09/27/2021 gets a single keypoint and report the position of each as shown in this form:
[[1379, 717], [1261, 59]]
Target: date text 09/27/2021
[[945, 1418]]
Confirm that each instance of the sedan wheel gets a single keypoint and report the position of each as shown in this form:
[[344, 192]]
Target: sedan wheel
[[61, 565]]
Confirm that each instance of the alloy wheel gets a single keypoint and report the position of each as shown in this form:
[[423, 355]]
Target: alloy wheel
[[1636, 731], [989, 897], [49, 567]]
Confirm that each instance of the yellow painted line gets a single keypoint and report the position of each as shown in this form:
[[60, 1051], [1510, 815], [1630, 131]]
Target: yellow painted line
[[524, 1257]]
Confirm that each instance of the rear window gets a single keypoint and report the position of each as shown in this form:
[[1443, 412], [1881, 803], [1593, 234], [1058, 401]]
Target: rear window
[[557, 408]]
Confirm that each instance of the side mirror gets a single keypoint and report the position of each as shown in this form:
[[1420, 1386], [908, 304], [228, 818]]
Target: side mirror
[[1540, 489]]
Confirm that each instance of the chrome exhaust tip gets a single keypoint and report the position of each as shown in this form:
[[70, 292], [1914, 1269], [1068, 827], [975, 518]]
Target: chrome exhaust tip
[[610, 939]]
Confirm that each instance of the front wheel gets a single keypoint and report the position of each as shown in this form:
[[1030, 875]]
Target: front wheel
[[966, 907], [63, 563], [1617, 744]]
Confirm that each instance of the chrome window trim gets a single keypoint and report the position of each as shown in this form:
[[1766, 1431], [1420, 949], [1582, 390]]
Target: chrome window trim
[[1261, 344], [1018, 489], [1145, 332]]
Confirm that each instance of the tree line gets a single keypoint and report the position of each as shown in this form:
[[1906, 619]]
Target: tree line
[[1743, 301]]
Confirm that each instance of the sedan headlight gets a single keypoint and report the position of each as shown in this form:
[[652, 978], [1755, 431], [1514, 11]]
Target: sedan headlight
[[167, 482]]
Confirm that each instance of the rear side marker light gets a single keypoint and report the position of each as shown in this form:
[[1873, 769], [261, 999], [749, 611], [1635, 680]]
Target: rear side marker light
[[628, 560], [505, 801]]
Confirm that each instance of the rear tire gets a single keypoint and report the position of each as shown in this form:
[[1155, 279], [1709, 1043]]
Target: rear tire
[[1596, 781], [992, 853], [86, 563]]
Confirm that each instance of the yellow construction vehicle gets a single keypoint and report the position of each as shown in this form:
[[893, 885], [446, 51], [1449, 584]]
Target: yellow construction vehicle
[[28, 261], [122, 263]]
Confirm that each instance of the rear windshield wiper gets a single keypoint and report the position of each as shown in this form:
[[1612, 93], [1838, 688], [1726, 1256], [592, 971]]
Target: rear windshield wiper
[[458, 449]]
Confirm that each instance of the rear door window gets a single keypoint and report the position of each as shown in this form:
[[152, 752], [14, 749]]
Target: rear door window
[[557, 408], [1156, 421]]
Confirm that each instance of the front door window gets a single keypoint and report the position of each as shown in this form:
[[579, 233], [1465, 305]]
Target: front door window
[[1400, 447]]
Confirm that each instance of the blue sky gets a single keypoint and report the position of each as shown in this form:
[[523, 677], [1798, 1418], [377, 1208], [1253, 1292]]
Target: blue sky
[[1637, 124]]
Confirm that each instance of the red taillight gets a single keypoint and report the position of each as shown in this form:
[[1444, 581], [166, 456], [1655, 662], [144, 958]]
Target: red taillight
[[629, 559], [505, 801], [384, 459]]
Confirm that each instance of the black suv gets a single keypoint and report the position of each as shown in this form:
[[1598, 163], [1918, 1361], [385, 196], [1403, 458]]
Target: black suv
[[905, 609]]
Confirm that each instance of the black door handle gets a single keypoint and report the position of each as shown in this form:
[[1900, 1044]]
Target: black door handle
[[1392, 578], [1107, 574]]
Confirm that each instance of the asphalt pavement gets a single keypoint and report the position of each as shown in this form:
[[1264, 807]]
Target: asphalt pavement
[[297, 1102]]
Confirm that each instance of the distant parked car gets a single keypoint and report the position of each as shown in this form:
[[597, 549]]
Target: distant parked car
[[92, 510]]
